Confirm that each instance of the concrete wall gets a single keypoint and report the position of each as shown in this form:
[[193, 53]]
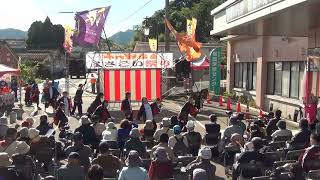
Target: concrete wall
[[264, 49]]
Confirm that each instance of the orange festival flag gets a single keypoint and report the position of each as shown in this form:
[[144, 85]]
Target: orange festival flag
[[187, 43]]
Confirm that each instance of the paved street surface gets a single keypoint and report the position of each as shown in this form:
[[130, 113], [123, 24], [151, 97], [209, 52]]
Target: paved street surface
[[170, 108]]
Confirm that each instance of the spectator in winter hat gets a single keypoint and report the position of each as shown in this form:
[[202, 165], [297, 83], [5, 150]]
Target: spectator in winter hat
[[203, 162], [134, 142], [133, 171], [165, 129]]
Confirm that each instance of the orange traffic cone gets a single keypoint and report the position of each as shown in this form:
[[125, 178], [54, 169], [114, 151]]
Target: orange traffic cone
[[228, 105], [238, 107], [220, 101], [261, 113], [208, 99]]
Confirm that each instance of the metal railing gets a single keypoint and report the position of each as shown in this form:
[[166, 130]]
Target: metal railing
[[243, 7]]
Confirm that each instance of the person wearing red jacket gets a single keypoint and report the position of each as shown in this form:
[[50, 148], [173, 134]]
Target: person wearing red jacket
[[126, 107], [311, 153], [27, 94], [188, 108], [102, 112], [35, 95], [161, 167]]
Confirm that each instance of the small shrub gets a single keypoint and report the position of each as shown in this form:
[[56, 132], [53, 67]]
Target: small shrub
[[232, 95]]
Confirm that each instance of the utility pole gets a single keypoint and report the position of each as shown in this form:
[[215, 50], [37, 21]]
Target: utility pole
[[167, 38]]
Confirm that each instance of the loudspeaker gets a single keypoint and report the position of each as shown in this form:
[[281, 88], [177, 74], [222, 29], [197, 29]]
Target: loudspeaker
[[77, 68]]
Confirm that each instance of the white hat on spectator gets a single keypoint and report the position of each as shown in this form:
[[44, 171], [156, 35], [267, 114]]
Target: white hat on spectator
[[166, 122], [4, 120], [205, 153], [33, 132], [5, 160], [22, 147], [190, 124], [85, 120], [111, 125], [135, 133]]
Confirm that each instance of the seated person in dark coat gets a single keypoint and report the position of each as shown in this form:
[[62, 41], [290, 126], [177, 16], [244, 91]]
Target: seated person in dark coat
[[249, 156], [302, 138], [272, 125]]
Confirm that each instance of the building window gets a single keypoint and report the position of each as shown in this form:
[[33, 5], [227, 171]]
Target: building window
[[236, 75], [250, 75], [284, 78], [278, 78], [245, 75], [270, 85], [301, 74], [294, 80]]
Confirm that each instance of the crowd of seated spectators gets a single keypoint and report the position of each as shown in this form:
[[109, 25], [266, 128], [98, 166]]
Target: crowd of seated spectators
[[247, 149]]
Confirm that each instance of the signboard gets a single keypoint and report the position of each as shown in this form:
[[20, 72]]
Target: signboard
[[118, 60], [215, 71]]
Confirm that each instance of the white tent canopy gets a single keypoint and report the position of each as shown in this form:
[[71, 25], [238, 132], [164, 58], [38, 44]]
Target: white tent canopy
[[8, 70]]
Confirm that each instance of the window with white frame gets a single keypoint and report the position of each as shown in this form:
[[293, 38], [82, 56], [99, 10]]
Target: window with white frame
[[284, 78], [245, 75]]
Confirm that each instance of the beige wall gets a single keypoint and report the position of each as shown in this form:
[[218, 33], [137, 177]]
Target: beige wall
[[264, 49], [314, 38]]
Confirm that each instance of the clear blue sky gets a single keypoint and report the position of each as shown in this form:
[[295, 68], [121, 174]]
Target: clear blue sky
[[21, 17]]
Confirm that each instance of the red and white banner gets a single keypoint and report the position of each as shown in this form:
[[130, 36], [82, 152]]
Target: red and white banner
[[119, 60], [140, 82]]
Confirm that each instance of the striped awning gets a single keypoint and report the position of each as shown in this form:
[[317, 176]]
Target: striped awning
[[140, 82]]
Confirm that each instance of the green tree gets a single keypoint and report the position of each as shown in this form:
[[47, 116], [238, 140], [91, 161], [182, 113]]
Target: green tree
[[45, 35], [179, 12], [29, 70]]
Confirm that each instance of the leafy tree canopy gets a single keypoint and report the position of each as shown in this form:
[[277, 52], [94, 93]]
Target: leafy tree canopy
[[179, 12], [45, 35]]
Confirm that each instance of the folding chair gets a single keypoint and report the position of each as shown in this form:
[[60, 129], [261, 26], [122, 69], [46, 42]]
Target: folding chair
[[282, 163], [261, 178], [294, 154], [250, 170], [113, 144], [313, 164], [148, 144], [282, 138], [270, 158], [185, 160], [278, 144], [115, 152], [313, 175]]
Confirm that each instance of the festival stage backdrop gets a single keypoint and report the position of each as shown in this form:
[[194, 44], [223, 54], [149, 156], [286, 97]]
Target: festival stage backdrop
[[140, 82]]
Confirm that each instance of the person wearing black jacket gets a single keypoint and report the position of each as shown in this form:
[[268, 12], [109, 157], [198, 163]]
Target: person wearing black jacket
[[102, 112], [302, 138], [249, 156], [126, 107], [44, 126], [78, 101], [272, 125], [97, 102], [89, 135]]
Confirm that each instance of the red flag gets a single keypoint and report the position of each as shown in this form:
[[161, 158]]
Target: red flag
[[186, 43]]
